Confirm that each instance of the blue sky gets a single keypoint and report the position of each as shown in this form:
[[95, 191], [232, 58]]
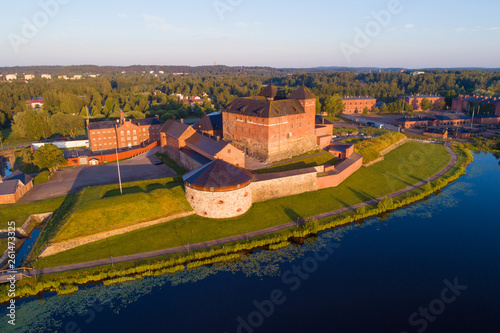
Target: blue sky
[[278, 33]]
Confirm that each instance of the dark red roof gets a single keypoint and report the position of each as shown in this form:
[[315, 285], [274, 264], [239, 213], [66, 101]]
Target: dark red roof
[[261, 107], [218, 174], [271, 92]]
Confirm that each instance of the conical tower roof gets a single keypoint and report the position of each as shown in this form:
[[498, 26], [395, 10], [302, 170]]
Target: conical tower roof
[[302, 93], [271, 92], [218, 176]]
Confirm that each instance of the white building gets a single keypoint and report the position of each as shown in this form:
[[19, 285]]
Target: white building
[[29, 76], [77, 77], [10, 77], [47, 76], [62, 77]]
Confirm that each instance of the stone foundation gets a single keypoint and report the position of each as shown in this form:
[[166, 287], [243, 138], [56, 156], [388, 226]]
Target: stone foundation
[[220, 205]]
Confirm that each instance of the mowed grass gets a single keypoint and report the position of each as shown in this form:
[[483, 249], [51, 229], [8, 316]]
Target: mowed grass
[[19, 212], [102, 208], [323, 159], [405, 166]]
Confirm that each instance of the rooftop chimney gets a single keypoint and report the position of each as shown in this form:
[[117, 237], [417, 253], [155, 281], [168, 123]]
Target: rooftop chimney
[[182, 121], [122, 117]]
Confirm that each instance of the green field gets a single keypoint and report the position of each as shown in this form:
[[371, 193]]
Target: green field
[[102, 208], [323, 159], [402, 167], [19, 212]]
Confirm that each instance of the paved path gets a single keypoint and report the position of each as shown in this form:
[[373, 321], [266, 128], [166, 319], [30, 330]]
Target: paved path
[[226, 240], [72, 180]]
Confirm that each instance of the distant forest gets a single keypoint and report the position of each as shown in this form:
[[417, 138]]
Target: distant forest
[[145, 95]]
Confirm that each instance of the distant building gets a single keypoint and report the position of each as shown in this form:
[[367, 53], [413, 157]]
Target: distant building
[[36, 103], [46, 76], [416, 101], [210, 124], [433, 120], [10, 77], [462, 133], [63, 77], [417, 73], [29, 76], [358, 104], [161, 72], [462, 103], [77, 77], [440, 133], [123, 133], [487, 119], [14, 187]]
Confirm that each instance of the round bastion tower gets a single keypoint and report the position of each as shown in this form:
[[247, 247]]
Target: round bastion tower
[[219, 190]]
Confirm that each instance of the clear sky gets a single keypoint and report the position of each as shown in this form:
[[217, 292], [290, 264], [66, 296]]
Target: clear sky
[[278, 33]]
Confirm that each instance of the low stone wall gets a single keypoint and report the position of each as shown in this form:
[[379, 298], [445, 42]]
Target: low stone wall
[[55, 248], [188, 163], [25, 230], [387, 151], [336, 178], [180, 158], [284, 184]]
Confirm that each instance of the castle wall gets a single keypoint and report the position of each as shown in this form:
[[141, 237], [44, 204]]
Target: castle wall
[[220, 205], [283, 185]]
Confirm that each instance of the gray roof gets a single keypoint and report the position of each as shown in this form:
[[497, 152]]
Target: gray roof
[[260, 107], [203, 143], [111, 124], [209, 123], [9, 186], [24, 178], [174, 128], [356, 98]]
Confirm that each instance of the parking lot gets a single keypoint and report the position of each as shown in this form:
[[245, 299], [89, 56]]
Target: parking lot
[[71, 180]]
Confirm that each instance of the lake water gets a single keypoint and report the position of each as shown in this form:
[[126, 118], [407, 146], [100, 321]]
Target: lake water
[[430, 267], [6, 169]]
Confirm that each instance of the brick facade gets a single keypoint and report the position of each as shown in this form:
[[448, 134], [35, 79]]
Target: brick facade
[[123, 134], [358, 104], [416, 101]]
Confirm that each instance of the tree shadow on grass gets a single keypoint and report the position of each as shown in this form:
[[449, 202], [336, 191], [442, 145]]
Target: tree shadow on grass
[[292, 215], [362, 195]]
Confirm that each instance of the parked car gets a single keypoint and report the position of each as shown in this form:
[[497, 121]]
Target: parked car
[[158, 162]]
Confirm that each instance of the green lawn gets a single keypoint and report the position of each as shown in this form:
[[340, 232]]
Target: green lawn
[[102, 208], [171, 164], [42, 177], [19, 212], [402, 167], [313, 161]]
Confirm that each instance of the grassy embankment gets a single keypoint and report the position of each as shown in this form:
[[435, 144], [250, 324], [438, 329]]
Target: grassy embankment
[[102, 208], [370, 148], [19, 212], [368, 183], [323, 159], [67, 282]]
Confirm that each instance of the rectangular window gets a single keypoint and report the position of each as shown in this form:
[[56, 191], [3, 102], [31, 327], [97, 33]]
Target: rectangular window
[[229, 151]]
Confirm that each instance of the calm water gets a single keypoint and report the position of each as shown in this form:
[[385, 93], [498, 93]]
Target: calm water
[[379, 274]]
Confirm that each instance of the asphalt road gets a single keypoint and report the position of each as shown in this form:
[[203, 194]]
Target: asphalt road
[[74, 179]]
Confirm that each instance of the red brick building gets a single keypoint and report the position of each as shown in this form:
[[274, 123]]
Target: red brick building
[[439, 133], [123, 133], [14, 187], [182, 140], [487, 119], [358, 104], [270, 127], [210, 124], [490, 104], [416, 101]]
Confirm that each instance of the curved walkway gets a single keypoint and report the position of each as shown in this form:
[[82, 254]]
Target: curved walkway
[[221, 241]]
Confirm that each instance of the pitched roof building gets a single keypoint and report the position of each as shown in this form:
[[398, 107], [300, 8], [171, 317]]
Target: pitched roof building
[[270, 127], [123, 133], [14, 187]]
